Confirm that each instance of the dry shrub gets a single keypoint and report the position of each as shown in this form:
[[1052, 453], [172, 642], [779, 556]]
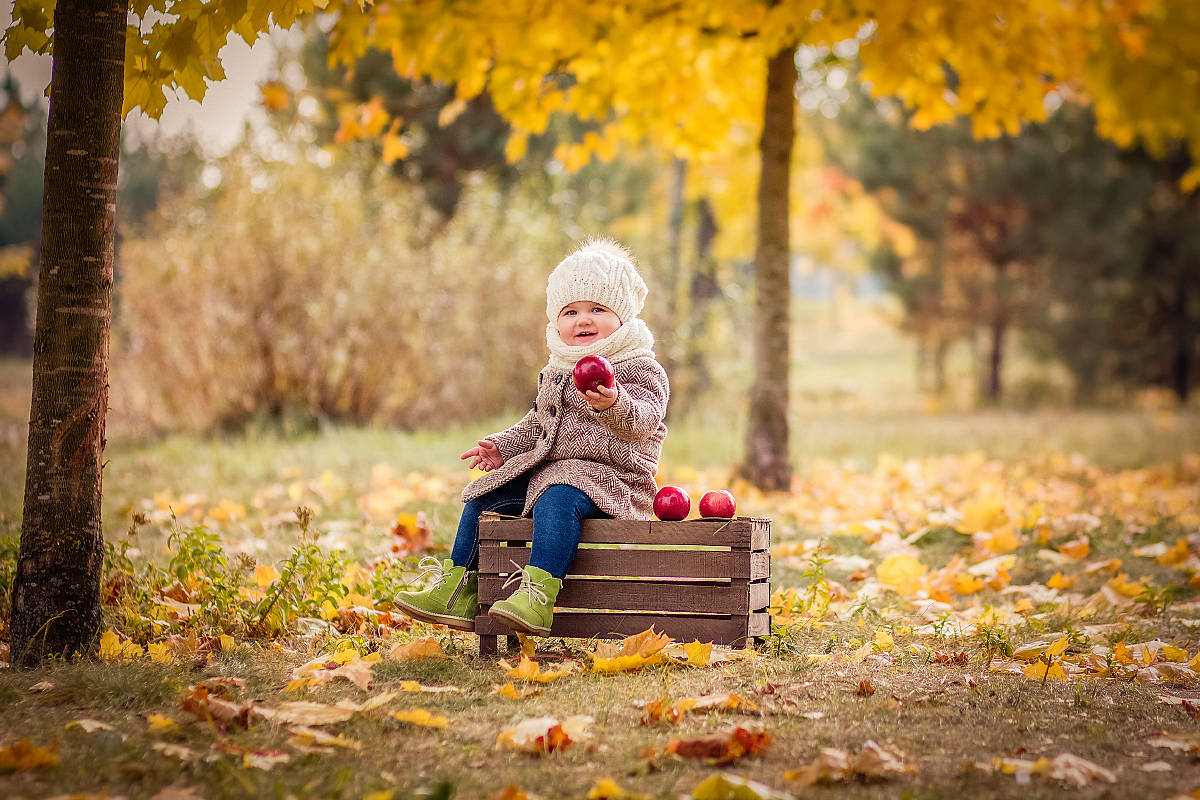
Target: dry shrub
[[295, 291]]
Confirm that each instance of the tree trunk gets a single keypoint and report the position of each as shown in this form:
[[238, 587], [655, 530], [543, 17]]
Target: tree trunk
[[673, 346], [1182, 329], [766, 465], [56, 592], [996, 331]]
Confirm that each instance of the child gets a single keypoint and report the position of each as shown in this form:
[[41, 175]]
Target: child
[[574, 456]]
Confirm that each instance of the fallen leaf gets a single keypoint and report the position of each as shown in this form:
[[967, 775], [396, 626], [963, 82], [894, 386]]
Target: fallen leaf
[[508, 690], [608, 789], [835, 764], [1078, 772], [1155, 766], [544, 734], [23, 755], [41, 687], [414, 686], [665, 711], [174, 750], [306, 737], [159, 723], [420, 716], [259, 759], [724, 786], [346, 664], [114, 648], [427, 647], [865, 688], [89, 725], [529, 670], [723, 747], [904, 573]]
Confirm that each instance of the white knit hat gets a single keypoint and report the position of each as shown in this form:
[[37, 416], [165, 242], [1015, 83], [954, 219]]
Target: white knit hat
[[601, 271]]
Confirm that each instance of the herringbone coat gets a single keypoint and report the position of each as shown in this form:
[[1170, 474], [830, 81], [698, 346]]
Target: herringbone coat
[[611, 455]]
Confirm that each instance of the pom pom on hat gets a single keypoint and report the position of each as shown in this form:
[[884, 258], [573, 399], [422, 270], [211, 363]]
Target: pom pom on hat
[[600, 271]]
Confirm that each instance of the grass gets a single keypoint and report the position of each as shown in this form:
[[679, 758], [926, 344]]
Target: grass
[[853, 403]]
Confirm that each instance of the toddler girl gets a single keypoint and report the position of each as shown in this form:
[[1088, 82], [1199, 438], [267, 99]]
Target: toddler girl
[[574, 456]]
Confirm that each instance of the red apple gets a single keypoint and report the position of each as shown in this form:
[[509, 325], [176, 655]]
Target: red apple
[[672, 503], [593, 371], [717, 503]]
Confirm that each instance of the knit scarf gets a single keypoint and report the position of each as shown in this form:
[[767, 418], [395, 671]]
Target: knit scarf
[[631, 340]]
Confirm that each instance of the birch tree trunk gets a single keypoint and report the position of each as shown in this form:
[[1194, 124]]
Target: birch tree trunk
[[56, 592], [766, 463]]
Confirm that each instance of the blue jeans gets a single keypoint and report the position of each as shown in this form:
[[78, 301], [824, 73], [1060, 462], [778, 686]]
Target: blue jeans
[[557, 515]]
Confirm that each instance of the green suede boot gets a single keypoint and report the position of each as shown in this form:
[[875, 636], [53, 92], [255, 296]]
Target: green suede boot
[[450, 596], [530, 609]]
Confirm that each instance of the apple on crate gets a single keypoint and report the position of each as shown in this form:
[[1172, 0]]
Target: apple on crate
[[593, 371], [718, 503], [672, 503]]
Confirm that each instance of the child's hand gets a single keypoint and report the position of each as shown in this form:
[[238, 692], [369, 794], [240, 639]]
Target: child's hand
[[600, 398], [486, 456]]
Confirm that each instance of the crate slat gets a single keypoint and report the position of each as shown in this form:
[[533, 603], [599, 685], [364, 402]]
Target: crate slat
[[744, 532], [638, 563], [736, 597], [680, 627]]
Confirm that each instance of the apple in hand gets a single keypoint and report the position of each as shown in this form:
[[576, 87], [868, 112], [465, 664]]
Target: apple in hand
[[672, 503], [593, 371], [717, 503]]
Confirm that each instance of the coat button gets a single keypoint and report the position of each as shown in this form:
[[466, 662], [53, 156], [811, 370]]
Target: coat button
[[539, 379], [535, 406], [543, 434], [558, 379], [553, 411]]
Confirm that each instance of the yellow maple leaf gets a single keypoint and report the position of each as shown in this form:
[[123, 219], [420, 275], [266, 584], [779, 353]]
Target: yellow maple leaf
[[508, 690], [1060, 581], [529, 670], [1057, 647], [159, 653], [1042, 670], [984, 514], [265, 575], [901, 572], [427, 647], [1122, 585], [1077, 549], [1176, 555], [160, 723], [965, 583], [608, 789], [113, 649], [23, 755], [420, 716]]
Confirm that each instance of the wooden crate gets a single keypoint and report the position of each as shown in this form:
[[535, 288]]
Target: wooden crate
[[695, 579]]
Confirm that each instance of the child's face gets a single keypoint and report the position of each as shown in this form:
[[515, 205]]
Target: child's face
[[584, 322]]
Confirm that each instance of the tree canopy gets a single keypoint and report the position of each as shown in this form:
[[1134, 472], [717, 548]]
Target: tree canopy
[[681, 73]]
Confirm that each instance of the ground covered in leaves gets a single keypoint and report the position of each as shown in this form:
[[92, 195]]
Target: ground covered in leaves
[[951, 625]]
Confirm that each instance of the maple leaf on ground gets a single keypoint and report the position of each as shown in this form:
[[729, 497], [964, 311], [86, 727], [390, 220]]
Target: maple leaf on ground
[[421, 716], [208, 707], [304, 712], [24, 755], [427, 647], [608, 789], [835, 764], [544, 734], [724, 786], [723, 747], [510, 691], [665, 711], [529, 670], [633, 652], [177, 751], [346, 664], [88, 725], [259, 759], [414, 686], [315, 740]]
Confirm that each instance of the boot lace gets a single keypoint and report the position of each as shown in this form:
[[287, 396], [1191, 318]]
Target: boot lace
[[528, 587], [432, 574]]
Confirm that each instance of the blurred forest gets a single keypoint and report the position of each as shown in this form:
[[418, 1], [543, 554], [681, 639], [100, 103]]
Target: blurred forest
[[321, 271]]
